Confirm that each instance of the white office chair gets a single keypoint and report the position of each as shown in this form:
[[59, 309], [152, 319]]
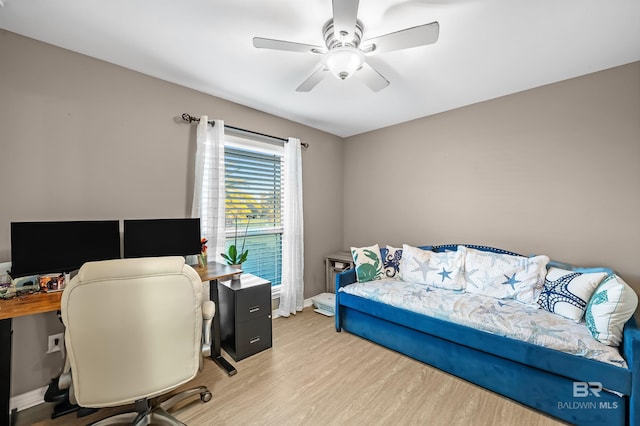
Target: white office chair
[[134, 331]]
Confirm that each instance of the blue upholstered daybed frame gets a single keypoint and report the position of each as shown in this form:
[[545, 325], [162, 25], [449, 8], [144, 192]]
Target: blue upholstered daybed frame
[[539, 377]]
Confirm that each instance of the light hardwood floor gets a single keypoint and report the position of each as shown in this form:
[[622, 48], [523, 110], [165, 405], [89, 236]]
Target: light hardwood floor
[[315, 376]]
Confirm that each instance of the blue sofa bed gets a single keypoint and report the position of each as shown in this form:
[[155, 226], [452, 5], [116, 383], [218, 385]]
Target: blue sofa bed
[[575, 389]]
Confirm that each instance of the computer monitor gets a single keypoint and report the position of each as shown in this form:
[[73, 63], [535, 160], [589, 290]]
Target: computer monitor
[[52, 247], [161, 237]]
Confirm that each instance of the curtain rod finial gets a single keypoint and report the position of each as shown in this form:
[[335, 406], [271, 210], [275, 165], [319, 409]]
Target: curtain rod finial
[[190, 118]]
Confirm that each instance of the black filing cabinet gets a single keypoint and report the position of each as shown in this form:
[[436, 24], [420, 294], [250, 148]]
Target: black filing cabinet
[[244, 307]]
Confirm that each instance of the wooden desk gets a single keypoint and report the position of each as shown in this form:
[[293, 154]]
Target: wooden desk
[[213, 273], [38, 303], [29, 304]]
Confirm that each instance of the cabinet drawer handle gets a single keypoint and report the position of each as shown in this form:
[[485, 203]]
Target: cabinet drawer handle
[[254, 340], [254, 309]]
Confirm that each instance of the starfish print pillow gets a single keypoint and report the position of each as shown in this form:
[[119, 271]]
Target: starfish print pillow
[[567, 293], [442, 270], [505, 276]]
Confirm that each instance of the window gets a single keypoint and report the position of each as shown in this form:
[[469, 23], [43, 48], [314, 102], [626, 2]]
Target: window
[[253, 183]]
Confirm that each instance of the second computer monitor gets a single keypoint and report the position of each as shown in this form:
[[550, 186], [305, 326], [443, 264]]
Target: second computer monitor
[[161, 237]]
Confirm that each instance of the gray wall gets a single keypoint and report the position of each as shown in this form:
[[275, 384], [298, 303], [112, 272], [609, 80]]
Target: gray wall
[[553, 170], [84, 139]]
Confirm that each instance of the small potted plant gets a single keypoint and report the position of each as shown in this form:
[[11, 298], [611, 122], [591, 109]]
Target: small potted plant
[[233, 256]]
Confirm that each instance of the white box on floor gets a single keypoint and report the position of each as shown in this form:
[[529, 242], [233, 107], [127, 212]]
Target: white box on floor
[[325, 304]]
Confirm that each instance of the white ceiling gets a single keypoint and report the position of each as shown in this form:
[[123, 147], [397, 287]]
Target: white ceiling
[[486, 49]]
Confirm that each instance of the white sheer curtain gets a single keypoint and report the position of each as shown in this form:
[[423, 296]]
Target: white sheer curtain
[[292, 290], [209, 186]]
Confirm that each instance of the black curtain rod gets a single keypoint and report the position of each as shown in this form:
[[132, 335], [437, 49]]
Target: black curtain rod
[[190, 118]]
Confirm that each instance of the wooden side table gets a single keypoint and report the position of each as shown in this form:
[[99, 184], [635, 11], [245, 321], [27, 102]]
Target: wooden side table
[[334, 264]]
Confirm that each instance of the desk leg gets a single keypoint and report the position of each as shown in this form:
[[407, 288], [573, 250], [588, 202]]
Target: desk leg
[[6, 417], [216, 353]]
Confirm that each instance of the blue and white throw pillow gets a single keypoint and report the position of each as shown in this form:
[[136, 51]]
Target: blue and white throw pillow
[[610, 307], [391, 260], [368, 262], [567, 292], [442, 270], [505, 276]]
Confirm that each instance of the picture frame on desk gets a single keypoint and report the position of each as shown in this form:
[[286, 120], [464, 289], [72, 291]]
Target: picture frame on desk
[[52, 282]]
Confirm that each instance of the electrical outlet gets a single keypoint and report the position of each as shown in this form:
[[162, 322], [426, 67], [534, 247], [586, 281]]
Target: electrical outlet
[[55, 343]]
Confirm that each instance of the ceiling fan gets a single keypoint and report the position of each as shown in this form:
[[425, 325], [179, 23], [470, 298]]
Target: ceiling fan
[[344, 54]]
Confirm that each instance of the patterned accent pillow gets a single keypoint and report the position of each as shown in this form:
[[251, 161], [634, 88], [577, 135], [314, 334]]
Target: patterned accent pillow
[[368, 263], [567, 293], [442, 270], [391, 260], [505, 276], [610, 307]]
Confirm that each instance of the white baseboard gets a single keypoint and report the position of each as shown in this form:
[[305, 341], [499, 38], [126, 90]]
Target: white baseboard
[[27, 400]]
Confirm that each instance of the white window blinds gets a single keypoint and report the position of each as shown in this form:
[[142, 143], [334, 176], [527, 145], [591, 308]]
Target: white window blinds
[[254, 195]]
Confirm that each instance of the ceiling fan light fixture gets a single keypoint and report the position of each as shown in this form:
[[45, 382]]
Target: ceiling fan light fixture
[[344, 61], [343, 55]]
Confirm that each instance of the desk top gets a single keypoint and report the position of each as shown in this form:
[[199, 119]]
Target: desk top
[[38, 303], [215, 271]]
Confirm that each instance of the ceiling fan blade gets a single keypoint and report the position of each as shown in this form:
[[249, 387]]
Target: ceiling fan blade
[[289, 46], [345, 15], [403, 39], [315, 78], [372, 78]]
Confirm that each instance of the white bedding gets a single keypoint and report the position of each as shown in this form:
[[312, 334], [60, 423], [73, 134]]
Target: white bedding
[[507, 318]]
